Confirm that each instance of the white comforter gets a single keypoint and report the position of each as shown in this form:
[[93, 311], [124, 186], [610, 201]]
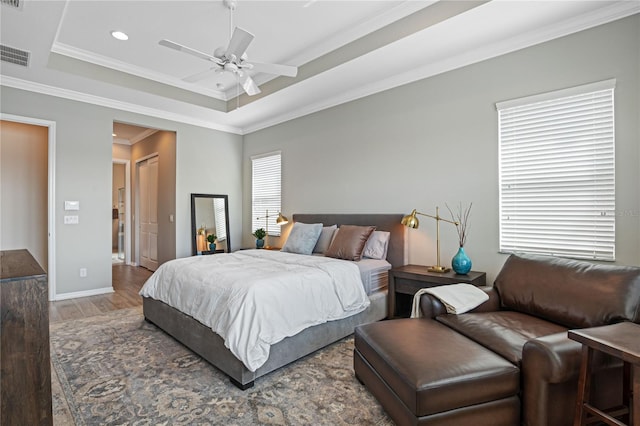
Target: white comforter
[[255, 298]]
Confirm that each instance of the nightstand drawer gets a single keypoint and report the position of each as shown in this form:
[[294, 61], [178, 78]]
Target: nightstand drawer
[[408, 286]]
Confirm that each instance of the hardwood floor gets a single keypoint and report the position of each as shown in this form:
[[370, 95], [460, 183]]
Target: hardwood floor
[[127, 281]]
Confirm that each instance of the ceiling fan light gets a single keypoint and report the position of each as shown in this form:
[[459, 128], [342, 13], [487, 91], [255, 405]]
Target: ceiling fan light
[[219, 52], [231, 67]]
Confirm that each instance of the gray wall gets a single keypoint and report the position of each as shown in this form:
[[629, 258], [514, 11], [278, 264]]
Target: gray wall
[[435, 141], [83, 173]]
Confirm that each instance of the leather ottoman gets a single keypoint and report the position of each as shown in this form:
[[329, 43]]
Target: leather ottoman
[[463, 383]]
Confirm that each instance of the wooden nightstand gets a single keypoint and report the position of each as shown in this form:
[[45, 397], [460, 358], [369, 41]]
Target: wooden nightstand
[[406, 280], [621, 340]]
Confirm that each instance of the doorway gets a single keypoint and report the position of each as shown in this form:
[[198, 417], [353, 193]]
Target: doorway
[[27, 156], [154, 218], [120, 218]]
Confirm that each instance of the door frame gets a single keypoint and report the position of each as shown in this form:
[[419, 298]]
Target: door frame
[[127, 207], [136, 221], [51, 196]]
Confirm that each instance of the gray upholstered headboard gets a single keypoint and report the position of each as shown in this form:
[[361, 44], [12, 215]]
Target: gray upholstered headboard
[[397, 253]]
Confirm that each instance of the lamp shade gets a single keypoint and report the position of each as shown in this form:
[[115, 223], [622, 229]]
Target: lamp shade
[[281, 220], [411, 220]]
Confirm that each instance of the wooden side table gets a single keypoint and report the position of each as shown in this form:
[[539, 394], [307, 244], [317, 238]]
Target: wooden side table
[[408, 279], [622, 341]]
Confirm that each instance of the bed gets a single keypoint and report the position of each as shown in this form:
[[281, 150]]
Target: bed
[[202, 340]]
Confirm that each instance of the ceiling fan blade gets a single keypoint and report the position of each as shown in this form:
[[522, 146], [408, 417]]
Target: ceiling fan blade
[[239, 42], [199, 75], [249, 86], [172, 45], [275, 69]]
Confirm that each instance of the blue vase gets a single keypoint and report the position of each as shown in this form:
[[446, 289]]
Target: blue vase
[[259, 244], [461, 263], [212, 246]]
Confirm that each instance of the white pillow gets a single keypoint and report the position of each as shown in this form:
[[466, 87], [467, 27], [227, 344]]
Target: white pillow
[[303, 238], [326, 236], [377, 245]]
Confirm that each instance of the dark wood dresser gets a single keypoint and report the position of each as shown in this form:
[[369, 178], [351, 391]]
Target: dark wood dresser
[[25, 369]]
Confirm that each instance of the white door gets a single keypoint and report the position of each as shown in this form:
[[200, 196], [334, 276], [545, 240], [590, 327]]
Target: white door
[[148, 181]]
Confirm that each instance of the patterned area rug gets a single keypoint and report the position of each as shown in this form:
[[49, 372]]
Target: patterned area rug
[[117, 369]]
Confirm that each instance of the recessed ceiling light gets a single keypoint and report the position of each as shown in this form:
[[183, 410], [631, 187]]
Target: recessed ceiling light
[[119, 35], [114, 135]]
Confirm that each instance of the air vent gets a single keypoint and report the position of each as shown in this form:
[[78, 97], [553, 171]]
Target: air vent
[[14, 56], [13, 3]]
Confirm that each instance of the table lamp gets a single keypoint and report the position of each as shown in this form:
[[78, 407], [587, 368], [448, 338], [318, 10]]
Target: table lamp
[[280, 220], [412, 221]]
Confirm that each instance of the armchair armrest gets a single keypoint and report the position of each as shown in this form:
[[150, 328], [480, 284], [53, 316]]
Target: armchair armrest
[[550, 369], [431, 306], [554, 358], [491, 305]]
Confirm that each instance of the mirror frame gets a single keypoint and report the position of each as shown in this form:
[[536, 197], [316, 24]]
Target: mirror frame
[[194, 226]]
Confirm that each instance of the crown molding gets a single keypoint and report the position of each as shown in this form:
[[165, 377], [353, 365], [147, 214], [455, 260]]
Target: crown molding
[[357, 31], [143, 135], [122, 141], [137, 138], [103, 61], [73, 95], [615, 11]]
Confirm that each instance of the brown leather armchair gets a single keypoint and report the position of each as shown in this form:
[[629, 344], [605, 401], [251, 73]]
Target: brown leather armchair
[[533, 302]]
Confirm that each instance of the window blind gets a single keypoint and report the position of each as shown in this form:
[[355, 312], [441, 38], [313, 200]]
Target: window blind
[[221, 220], [266, 191], [557, 176]]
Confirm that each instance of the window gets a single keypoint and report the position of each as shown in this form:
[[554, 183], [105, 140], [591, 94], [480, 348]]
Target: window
[[557, 177], [220, 218], [266, 191]]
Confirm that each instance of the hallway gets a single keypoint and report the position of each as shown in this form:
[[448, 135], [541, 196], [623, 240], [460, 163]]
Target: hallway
[[127, 282]]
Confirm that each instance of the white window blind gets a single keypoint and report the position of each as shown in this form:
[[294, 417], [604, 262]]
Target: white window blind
[[557, 177], [266, 191], [221, 220]]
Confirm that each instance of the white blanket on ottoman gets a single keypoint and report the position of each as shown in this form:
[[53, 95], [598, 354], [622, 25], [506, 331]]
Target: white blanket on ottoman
[[456, 298]]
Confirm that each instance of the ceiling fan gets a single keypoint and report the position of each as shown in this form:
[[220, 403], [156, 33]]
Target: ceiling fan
[[233, 58]]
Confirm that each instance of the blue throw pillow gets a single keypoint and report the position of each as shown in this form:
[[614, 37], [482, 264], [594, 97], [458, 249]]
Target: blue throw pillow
[[303, 238]]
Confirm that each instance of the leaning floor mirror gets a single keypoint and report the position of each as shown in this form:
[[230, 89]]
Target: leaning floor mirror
[[209, 224]]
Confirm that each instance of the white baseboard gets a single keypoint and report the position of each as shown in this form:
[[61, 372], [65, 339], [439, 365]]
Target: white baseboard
[[86, 293]]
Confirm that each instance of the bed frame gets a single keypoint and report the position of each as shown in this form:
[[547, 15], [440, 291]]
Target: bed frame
[[210, 346]]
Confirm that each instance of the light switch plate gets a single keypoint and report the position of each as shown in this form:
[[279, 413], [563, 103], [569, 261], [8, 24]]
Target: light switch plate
[[71, 220], [72, 205]]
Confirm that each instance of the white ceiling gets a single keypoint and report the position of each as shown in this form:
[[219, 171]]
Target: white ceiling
[[344, 49]]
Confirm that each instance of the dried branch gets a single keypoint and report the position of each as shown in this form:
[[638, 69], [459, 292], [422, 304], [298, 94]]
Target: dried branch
[[462, 217]]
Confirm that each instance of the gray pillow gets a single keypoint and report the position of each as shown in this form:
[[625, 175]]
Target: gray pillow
[[377, 245], [303, 238], [325, 239]]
